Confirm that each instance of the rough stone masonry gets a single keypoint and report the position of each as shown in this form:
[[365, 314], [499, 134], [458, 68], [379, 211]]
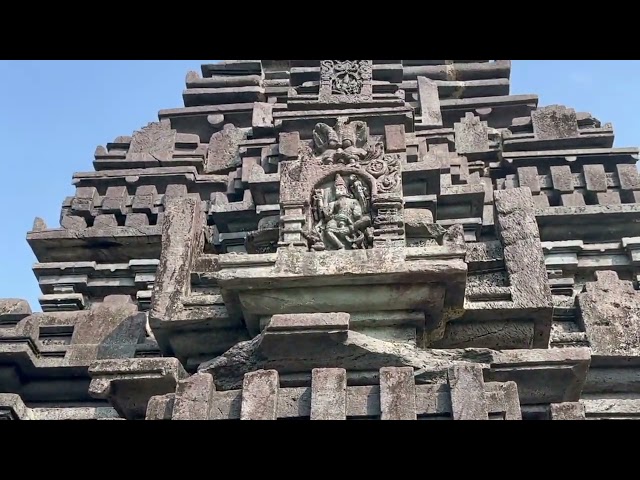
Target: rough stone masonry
[[339, 239]]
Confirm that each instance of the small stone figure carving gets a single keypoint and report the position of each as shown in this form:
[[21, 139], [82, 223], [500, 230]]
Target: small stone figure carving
[[344, 221], [342, 144]]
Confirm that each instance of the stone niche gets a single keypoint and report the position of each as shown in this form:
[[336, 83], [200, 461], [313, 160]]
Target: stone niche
[[343, 191], [342, 243]]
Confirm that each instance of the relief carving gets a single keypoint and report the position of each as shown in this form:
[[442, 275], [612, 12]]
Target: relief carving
[[341, 214], [346, 77], [360, 195], [342, 144], [345, 81], [386, 170], [265, 238], [156, 140]]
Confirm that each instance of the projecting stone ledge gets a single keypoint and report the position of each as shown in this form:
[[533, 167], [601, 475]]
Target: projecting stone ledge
[[390, 280], [295, 344], [44, 356], [12, 407], [128, 384], [114, 244]]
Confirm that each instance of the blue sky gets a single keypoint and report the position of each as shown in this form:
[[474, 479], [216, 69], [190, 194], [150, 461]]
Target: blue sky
[[53, 114]]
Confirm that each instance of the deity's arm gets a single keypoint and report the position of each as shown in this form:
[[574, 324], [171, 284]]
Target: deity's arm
[[329, 209], [357, 211]]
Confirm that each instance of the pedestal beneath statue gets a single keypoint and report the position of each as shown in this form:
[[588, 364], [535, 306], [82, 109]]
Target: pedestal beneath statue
[[380, 287]]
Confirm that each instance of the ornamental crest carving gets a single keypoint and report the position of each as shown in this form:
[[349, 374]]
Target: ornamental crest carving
[[347, 143], [345, 80], [346, 77]]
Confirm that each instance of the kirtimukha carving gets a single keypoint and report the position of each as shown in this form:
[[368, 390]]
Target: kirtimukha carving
[[341, 214], [343, 144]]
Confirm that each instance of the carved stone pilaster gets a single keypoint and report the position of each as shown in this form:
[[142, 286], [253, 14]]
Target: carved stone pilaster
[[292, 223], [388, 222]]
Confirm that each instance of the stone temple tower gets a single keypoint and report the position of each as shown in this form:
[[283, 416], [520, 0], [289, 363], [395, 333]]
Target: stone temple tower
[[339, 239]]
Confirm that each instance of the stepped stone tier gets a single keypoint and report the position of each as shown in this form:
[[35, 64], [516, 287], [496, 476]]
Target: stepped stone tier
[[339, 239]]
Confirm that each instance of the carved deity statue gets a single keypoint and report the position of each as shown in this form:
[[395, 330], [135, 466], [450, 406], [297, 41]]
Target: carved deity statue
[[341, 214], [342, 144]]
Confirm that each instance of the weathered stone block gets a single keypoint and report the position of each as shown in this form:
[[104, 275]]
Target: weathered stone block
[[397, 393], [115, 200], [260, 395], [511, 400], [575, 199], [38, 225], [84, 200], [222, 152], [595, 178], [309, 321], [72, 222], [111, 329], [262, 119], [467, 393], [540, 201], [610, 314], [105, 221], [155, 142], [144, 199], [394, 138], [136, 220], [472, 135], [523, 257], [289, 145], [608, 198], [13, 408], [193, 397], [12, 310], [160, 407], [418, 222], [173, 191], [130, 383], [328, 394], [562, 179], [554, 121], [628, 176], [429, 102], [567, 411], [528, 177]]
